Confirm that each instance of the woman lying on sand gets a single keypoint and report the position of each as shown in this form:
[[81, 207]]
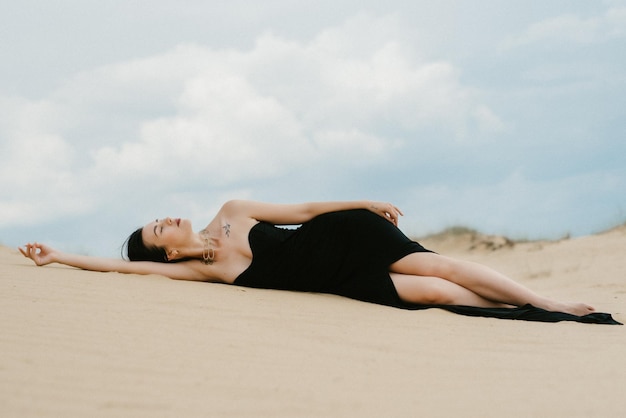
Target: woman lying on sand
[[352, 249]]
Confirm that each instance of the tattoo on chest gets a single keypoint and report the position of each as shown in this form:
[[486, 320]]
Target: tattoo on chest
[[226, 229]]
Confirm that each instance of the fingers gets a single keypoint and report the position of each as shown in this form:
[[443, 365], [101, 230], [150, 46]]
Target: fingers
[[34, 252], [388, 211], [30, 250], [394, 213], [27, 250]]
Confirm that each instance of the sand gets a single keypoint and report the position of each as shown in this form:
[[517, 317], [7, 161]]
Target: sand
[[78, 344]]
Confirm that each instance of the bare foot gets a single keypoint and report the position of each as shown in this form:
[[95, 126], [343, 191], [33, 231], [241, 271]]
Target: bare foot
[[573, 308]]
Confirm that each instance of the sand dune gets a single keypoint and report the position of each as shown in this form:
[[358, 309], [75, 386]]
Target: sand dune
[[76, 344]]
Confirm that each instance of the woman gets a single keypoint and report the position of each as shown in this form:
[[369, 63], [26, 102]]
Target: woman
[[348, 248]]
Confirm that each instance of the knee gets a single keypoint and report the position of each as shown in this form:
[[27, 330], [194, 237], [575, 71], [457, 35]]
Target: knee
[[435, 295], [424, 290]]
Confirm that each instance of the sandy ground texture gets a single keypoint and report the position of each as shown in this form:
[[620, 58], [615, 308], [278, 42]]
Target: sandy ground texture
[[78, 344]]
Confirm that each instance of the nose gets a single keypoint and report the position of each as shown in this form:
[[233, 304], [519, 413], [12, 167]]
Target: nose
[[166, 221]]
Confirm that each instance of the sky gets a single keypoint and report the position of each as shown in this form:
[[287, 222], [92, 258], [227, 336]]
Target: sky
[[504, 116]]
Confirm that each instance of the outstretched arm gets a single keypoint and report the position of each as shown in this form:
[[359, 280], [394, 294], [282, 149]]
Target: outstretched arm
[[42, 254], [292, 214]]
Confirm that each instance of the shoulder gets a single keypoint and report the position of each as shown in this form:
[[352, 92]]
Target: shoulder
[[235, 206], [238, 208]]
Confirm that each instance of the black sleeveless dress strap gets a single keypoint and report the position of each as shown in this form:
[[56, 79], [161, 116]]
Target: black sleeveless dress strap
[[348, 253]]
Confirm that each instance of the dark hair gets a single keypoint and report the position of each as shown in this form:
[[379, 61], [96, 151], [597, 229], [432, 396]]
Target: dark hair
[[136, 249]]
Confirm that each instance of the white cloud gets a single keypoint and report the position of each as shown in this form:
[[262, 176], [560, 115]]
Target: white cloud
[[36, 178], [196, 117], [225, 132], [186, 115], [346, 82], [572, 28], [361, 147], [487, 120]]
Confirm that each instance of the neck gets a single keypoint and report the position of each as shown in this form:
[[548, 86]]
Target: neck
[[194, 248]]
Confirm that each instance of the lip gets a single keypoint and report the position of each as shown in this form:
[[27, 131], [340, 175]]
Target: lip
[[178, 222]]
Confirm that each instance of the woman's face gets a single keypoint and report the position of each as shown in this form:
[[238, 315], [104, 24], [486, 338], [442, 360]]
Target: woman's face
[[167, 233]]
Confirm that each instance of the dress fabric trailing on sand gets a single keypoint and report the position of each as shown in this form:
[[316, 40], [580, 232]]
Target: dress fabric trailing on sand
[[348, 253]]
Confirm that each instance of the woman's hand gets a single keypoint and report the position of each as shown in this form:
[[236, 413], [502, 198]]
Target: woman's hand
[[41, 254], [386, 210]]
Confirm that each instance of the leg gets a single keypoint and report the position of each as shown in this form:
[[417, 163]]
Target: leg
[[481, 280], [436, 291]]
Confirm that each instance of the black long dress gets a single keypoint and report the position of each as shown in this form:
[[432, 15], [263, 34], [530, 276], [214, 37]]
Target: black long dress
[[348, 253]]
